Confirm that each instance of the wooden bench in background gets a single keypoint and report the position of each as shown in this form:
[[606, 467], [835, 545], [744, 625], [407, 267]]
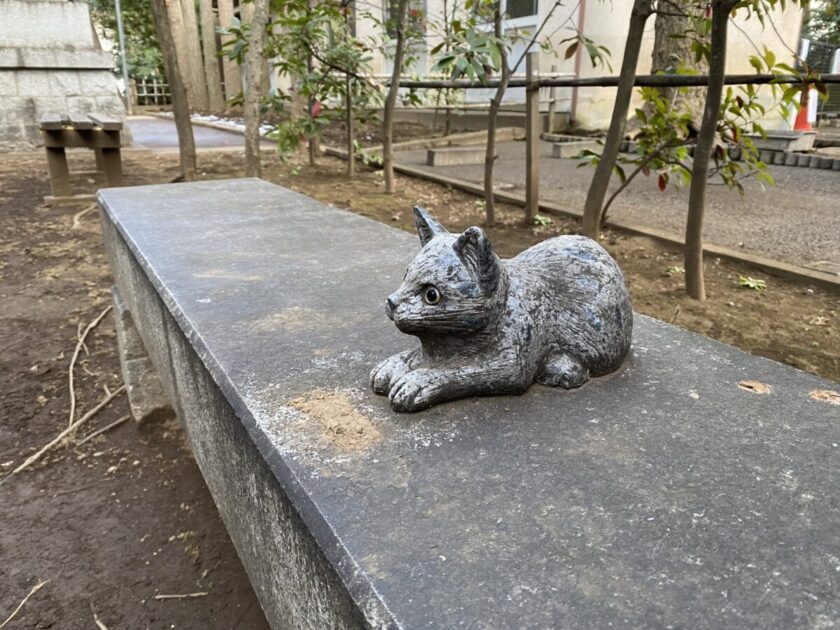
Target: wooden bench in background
[[97, 132]]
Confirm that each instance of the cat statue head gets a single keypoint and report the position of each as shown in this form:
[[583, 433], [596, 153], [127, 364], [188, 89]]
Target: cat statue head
[[455, 285]]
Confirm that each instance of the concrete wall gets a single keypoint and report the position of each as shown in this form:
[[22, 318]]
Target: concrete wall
[[46, 24]]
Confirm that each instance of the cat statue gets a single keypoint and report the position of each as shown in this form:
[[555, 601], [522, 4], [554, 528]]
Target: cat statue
[[558, 314]]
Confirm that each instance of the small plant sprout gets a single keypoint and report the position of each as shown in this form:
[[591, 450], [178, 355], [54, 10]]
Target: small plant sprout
[[674, 269], [542, 220], [748, 282]]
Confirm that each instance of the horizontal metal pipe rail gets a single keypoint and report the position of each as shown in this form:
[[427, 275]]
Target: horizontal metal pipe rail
[[642, 80]]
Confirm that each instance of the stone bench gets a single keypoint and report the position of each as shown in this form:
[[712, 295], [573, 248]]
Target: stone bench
[[664, 495]]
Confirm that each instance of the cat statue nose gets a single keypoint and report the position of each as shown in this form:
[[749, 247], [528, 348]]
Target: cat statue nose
[[390, 305]]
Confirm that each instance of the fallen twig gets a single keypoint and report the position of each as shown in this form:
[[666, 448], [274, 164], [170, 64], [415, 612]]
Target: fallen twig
[[79, 215], [33, 458], [116, 423], [79, 344], [34, 590], [675, 315], [181, 596], [79, 336], [74, 490], [96, 620]]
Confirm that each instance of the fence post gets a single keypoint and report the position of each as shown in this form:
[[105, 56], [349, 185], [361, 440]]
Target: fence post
[[552, 103], [532, 137]]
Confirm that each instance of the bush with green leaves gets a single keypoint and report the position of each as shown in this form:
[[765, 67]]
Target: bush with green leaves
[[314, 47], [143, 56], [667, 131]]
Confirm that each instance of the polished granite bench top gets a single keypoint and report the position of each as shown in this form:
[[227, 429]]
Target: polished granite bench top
[[663, 495]]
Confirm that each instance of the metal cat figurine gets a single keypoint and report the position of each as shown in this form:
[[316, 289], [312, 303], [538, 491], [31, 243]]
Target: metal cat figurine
[[558, 313]]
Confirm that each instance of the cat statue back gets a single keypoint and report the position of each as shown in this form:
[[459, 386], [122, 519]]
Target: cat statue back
[[556, 314]]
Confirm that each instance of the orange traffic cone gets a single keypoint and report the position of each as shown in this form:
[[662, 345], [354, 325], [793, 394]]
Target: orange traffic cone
[[802, 123]]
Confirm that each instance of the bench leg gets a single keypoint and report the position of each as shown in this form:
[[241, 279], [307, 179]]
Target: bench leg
[[59, 173], [112, 161], [145, 391], [100, 160]]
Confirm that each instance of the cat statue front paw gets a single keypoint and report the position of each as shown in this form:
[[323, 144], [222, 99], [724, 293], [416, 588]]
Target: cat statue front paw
[[415, 390], [387, 372]]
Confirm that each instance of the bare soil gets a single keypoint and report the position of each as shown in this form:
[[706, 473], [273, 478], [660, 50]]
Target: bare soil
[[342, 425], [126, 516], [370, 133]]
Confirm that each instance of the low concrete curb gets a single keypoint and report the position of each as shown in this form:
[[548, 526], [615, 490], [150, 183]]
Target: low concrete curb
[[768, 265], [203, 123], [468, 138], [771, 156], [505, 134]]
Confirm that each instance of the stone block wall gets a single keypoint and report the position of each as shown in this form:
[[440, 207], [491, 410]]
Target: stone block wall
[[26, 94], [50, 63]]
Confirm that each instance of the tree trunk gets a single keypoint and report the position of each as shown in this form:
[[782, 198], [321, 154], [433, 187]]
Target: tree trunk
[[490, 159], [175, 15], [211, 58], [180, 103], [670, 51], [601, 179], [694, 283], [193, 49], [447, 121], [312, 145], [348, 104], [391, 98], [233, 82], [447, 32], [351, 136], [253, 86], [266, 77], [246, 14], [492, 115]]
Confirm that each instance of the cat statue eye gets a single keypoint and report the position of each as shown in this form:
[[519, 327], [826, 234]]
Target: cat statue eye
[[431, 296]]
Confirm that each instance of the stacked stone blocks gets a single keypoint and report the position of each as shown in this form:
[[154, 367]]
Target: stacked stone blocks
[[51, 62]]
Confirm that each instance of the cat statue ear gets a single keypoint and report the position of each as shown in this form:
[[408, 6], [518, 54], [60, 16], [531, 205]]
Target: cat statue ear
[[427, 226], [475, 251]]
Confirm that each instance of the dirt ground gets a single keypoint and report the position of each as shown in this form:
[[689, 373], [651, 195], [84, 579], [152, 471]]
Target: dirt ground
[[126, 516]]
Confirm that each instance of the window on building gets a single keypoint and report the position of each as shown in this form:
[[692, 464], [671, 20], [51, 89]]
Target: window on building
[[415, 18], [521, 8]]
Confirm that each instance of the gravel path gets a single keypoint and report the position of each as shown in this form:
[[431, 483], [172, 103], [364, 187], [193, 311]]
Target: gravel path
[[796, 221]]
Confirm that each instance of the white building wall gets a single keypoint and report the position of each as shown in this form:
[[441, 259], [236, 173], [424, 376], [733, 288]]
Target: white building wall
[[605, 22]]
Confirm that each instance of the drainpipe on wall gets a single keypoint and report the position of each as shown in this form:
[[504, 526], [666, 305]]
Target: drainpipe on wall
[[578, 58]]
